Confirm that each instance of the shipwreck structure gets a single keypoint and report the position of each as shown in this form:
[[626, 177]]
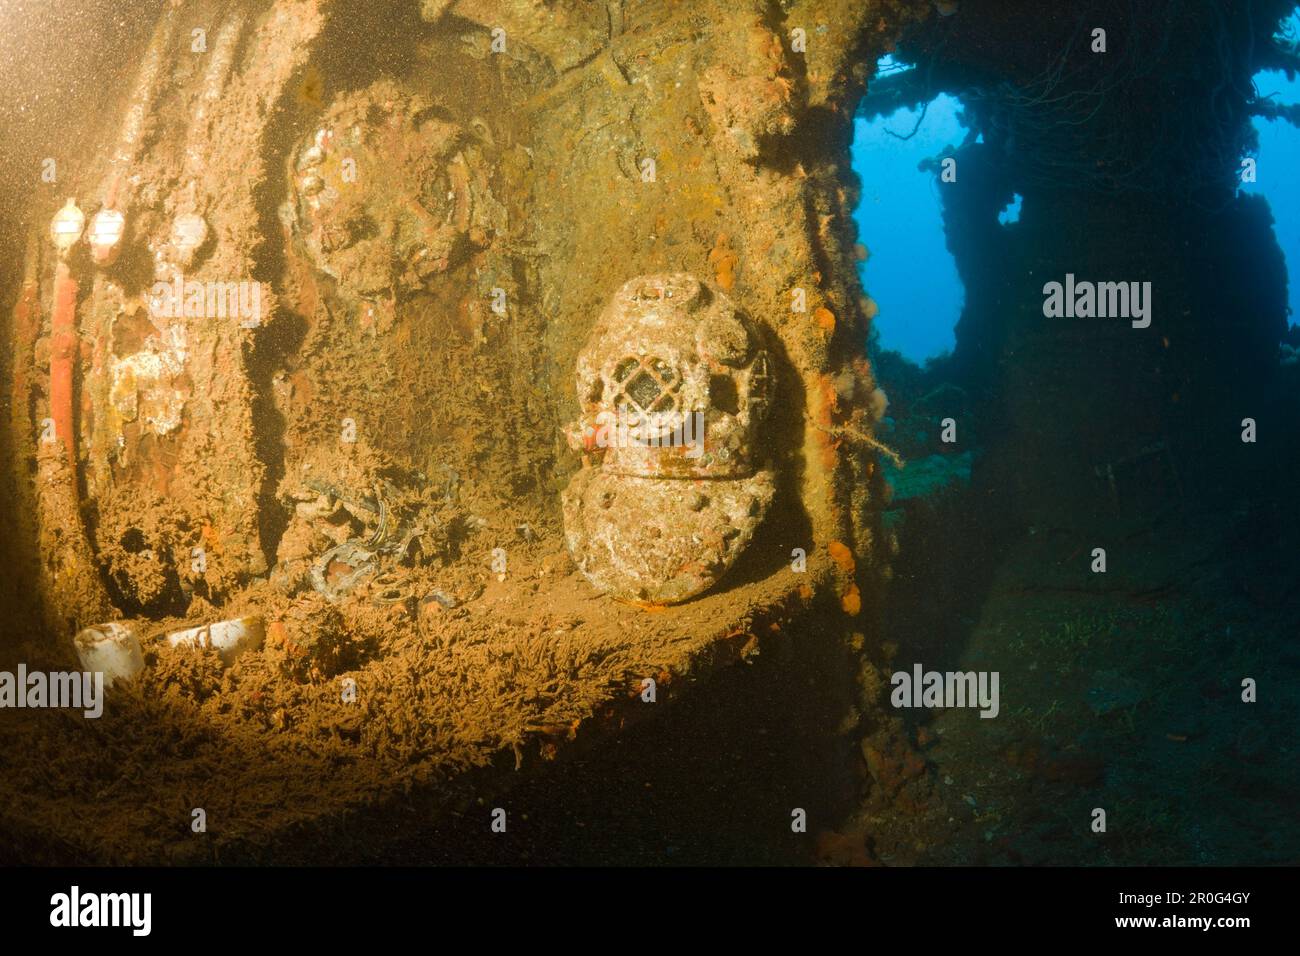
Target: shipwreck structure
[[304, 303], [292, 369]]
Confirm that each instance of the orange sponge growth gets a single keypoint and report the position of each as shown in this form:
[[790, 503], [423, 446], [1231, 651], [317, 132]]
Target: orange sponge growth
[[723, 261], [842, 556]]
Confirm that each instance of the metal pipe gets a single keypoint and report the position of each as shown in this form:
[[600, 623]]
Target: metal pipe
[[63, 353], [133, 127]]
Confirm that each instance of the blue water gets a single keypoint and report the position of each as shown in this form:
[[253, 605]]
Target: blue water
[[1011, 212], [1279, 146], [911, 275]]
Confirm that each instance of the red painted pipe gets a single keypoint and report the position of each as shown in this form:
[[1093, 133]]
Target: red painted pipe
[[63, 352]]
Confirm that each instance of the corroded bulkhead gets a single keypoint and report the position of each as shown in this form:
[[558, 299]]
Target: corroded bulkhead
[[289, 383]]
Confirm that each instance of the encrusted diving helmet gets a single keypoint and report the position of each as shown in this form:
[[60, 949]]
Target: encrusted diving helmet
[[674, 385]]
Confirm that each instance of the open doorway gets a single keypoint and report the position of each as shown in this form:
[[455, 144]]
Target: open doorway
[[910, 274], [1271, 175]]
